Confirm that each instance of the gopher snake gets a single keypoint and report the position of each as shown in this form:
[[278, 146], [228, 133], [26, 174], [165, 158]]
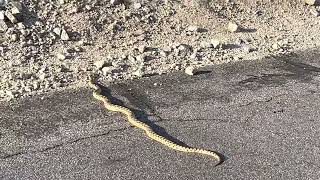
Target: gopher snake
[[147, 129]]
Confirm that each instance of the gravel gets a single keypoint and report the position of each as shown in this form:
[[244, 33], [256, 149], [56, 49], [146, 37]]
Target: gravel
[[59, 43]]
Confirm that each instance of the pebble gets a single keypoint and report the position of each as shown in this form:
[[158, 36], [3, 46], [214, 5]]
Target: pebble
[[247, 48], [42, 76], [137, 5], [2, 15], [25, 32], [10, 94], [64, 35], [215, 43], [163, 53], [193, 29], [3, 3], [206, 44], [11, 17], [63, 68], [131, 59], [57, 31], [16, 7], [312, 2], [14, 37], [138, 73], [3, 26], [142, 48], [314, 12], [275, 46], [20, 25], [35, 85], [140, 58], [61, 56], [107, 70], [100, 64], [194, 56], [190, 70], [233, 27], [184, 48], [115, 2]]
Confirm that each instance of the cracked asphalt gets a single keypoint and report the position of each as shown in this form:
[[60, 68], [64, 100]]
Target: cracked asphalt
[[263, 116]]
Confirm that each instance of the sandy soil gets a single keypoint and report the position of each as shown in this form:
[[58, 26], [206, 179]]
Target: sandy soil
[[134, 39]]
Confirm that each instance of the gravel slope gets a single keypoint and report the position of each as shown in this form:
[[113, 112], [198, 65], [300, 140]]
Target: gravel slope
[[57, 44]]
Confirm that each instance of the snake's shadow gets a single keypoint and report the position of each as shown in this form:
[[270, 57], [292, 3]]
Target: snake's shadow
[[143, 117]]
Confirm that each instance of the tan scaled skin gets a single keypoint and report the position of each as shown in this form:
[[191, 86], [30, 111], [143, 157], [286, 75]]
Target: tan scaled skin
[[147, 129]]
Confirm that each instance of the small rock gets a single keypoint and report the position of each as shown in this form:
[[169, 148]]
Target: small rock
[[184, 47], [131, 58], [137, 5], [25, 32], [11, 17], [78, 49], [215, 43], [193, 29], [312, 2], [247, 48], [3, 3], [16, 7], [2, 93], [167, 49], [194, 56], [63, 68], [27, 88], [3, 26], [236, 58], [112, 27], [81, 43], [163, 53], [57, 31], [14, 37], [20, 25], [42, 76], [140, 58], [206, 45], [100, 64], [2, 15], [61, 56], [35, 85], [190, 70], [142, 48], [10, 94], [314, 12], [115, 2], [107, 70], [89, 8], [64, 35], [233, 27], [138, 73], [275, 46]]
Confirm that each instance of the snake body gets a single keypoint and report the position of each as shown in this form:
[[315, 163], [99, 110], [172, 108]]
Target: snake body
[[146, 128]]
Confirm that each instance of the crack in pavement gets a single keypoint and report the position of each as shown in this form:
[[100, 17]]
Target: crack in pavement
[[263, 101], [191, 120], [8, 156]]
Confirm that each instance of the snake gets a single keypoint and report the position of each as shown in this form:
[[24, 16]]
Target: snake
[[145, 127]]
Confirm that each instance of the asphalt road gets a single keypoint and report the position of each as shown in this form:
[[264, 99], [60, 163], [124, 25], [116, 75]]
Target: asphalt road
[[262, 116]]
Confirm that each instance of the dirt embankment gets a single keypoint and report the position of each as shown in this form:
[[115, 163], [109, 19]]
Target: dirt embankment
[[54, 45]]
